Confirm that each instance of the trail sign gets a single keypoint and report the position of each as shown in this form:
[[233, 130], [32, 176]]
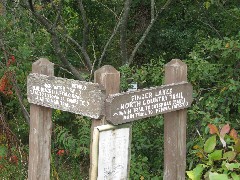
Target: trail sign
[[70, 95], [130, 106]]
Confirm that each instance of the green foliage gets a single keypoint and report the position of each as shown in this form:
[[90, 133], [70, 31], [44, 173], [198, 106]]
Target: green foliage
[[13, 162], [149, 74], [71, 146], [210, 144], [196, 173], [205, 33], [10, 170], [74, 138], [65, 167], [147, 135], [218, 157]]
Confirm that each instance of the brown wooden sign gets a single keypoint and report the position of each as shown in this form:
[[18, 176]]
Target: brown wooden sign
[[74, 96], [126, 107]]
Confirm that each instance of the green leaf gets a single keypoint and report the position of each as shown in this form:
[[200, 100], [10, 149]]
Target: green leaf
[[231, 166], [216, 155], [235, 176], [207, 5], [230, 155], [210, 144], [237, 146], [216, 176], [196, 173], [238, 55], [3, 151]]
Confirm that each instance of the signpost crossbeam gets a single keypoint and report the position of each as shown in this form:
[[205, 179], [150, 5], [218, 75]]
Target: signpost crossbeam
[[70, 95], [131, 106]]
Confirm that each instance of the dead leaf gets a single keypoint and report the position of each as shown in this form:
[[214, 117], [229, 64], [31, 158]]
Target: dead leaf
[[213, 129], [233, 134], [225, 129]]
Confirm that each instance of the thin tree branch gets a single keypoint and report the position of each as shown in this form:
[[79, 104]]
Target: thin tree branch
[[212, 27], [56, 45], [107, 8], [3, 48], [60, 54], [20, 99], [68, 39], [59, 9], [123, 31], [109, 40], [87, 60], [95, 60], [153, 19], [152, 9], [3, 5], [85, 24]]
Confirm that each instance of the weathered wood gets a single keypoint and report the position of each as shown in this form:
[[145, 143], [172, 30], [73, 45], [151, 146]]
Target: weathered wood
[[40, 131], [109, 78], [130, 106], [175, 128], [70, 95], [111, 152]]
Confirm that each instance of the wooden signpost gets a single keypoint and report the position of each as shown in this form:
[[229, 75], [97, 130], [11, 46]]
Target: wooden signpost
[[110, 146], [40, 131], [131, 106], [175, 125]]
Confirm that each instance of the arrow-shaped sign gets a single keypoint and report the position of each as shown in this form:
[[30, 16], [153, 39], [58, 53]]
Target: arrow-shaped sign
[[130, 106], [70, 95]]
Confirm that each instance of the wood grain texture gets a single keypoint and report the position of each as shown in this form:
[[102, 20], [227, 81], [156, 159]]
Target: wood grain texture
[[70, 95], [109, 78], [135, 105], [175, 128], [40, 131]]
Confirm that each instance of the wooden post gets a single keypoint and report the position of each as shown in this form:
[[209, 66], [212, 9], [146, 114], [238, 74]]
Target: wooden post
[[175, 128], [109, 78], [40, 131]]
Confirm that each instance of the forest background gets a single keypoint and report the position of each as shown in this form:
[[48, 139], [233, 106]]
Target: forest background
[[137, 37]]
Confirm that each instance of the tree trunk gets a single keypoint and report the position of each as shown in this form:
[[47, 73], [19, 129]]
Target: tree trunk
[[3, 4]]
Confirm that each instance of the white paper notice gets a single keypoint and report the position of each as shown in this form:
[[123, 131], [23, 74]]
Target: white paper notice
[[113, 154]]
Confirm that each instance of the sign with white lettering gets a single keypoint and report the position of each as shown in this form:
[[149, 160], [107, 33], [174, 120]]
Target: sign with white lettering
[[129, 106], [70, 95], [111, 152]]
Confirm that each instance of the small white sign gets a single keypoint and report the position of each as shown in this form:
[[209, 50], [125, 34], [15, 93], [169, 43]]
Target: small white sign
[[111, 152], [133, 86]]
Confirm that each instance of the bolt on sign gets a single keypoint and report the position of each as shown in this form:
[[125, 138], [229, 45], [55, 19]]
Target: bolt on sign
[[70, 95], [130, 106], [111, 152]]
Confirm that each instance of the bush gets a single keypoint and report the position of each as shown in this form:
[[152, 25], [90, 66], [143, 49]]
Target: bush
[[218, 155]]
